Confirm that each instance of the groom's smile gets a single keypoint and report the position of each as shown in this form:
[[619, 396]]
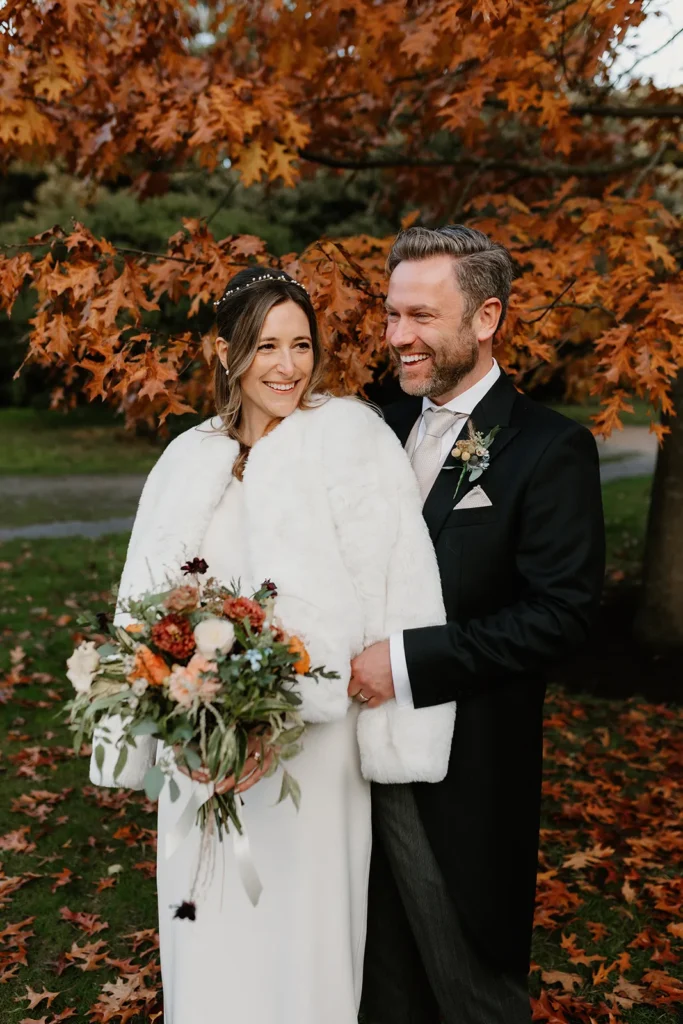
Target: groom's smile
[[430, 331]]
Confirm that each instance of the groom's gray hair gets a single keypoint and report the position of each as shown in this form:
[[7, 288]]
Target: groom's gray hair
[[483, 268]]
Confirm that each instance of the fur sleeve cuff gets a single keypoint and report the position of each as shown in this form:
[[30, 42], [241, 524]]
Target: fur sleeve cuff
[[405, 744], [323, 701]]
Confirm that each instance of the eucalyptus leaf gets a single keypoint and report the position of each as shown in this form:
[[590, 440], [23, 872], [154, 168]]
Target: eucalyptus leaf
[[194, 761], [174, 790], [182, 732], [99, 757], [154, 782], [292, 735], [290, 788], [108, 650], [145, 727], [121, 761]]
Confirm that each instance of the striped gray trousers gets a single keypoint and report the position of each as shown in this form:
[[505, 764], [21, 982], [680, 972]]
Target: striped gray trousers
[[419, 967]]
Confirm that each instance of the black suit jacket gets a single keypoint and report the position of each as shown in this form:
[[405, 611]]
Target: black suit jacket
[[521, 580]]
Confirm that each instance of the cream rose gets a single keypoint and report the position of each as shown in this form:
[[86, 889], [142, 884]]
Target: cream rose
[[82, 666], [213, 635]]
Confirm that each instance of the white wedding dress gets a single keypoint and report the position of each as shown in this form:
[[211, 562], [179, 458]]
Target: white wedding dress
[[297, 957]]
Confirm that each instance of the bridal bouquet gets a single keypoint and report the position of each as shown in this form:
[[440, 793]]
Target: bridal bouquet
[[206, 671]]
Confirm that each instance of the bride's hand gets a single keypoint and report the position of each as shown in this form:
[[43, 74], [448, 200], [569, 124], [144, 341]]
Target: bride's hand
[[256, 766]]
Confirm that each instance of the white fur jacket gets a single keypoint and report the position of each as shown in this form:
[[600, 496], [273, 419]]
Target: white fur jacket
[[333, 517]]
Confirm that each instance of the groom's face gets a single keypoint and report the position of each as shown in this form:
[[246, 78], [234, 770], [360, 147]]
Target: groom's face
[[429, 339]]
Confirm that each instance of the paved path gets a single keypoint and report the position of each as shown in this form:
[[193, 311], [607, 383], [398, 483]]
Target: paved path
[[72, 528], [123, 486], [629, 452]]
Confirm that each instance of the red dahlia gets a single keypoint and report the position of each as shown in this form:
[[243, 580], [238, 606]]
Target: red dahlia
[[173, 633]]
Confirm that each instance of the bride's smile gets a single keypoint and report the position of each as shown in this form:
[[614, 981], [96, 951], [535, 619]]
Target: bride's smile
[[280, 372]]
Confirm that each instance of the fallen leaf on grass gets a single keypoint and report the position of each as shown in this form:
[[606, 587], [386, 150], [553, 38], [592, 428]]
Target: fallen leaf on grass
[[105, 883], [602, 974], [568, 981], [89, 923], [65, 876], [90, 955], [148, 868], [628, 892], [35, 998], [588, 858], [16, 841]]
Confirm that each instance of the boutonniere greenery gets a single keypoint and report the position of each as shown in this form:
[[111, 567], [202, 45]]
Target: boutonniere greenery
[[473, 453]]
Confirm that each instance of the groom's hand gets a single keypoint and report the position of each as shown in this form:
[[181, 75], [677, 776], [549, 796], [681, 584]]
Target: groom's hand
[[371, 675]]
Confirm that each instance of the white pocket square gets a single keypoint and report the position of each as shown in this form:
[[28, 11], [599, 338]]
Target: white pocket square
[[476, 498]]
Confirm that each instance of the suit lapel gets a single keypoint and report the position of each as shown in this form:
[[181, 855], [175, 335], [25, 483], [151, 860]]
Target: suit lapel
[[494, 410]]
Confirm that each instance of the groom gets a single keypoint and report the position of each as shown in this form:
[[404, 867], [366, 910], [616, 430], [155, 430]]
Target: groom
[[521, 554]]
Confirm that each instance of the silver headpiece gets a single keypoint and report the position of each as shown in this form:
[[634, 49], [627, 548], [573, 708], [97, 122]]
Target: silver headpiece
[[257, 280]]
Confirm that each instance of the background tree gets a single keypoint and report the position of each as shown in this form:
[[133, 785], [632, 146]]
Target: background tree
[[504, 114]]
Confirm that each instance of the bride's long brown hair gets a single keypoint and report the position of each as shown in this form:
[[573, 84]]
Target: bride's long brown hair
[[240, 314]]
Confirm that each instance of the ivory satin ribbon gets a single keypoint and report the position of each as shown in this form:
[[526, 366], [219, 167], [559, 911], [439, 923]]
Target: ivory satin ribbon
[[246, 868]]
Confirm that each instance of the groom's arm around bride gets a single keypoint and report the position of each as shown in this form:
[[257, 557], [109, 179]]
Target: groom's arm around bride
[[520, 548]]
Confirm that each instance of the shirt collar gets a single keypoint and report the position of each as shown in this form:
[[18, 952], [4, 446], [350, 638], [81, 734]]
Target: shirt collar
[[466, 403]]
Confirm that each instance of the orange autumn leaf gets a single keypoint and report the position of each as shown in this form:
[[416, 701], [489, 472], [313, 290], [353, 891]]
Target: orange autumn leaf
[[528, 150]]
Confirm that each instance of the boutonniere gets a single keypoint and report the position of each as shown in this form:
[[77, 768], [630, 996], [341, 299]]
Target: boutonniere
[[473, 453]]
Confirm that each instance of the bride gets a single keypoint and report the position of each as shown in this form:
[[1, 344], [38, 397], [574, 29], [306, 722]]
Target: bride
[[316, 494]]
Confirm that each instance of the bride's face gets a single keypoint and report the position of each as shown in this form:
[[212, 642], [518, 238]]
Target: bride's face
[[278, 377]]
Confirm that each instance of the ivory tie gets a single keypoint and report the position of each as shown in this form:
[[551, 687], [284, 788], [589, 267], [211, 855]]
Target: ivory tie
[[427, 457]]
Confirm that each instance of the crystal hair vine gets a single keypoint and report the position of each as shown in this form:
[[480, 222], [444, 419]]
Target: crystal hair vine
[[257, 280]]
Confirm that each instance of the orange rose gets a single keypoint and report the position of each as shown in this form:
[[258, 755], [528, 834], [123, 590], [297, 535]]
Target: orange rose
[[134, 627], [303, 664], [149, 666]]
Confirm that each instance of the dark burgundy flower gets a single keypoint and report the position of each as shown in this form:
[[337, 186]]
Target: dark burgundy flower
[[103, 620], [195, 565], [269, 586], [186, 910]]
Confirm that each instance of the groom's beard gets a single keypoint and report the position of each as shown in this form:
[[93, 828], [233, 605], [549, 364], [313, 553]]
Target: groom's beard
[[448, 367]]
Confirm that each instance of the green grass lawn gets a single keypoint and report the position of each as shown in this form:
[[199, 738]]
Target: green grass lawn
[[63, 843], [83, 441], [626, 504], [609, 890]]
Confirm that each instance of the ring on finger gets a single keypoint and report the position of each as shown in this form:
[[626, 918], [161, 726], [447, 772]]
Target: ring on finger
[[361, 697]]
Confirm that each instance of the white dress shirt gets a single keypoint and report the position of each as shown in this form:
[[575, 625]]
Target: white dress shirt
[[463, 406]]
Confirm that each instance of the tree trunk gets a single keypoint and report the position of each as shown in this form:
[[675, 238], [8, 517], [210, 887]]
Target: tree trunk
[[659, 622]]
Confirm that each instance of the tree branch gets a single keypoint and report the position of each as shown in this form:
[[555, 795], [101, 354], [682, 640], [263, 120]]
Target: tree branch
[[547, 169], [118, 248], [644, 171], [605, 110], [552, 305]]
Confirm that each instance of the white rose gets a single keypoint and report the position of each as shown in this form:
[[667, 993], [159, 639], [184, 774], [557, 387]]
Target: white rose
[[82, 666], [138, 686], [213, 635]]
